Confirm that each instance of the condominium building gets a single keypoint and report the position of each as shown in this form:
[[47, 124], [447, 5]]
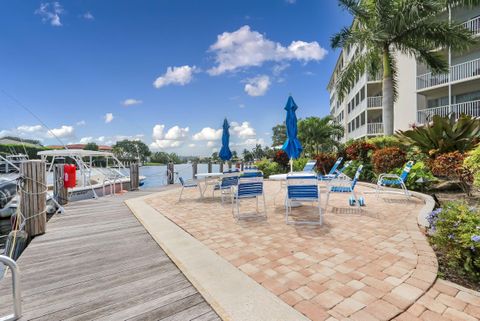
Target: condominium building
[[421, 94]]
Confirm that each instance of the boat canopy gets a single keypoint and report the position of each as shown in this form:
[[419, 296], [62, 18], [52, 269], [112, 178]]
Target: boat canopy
[[73, 153]]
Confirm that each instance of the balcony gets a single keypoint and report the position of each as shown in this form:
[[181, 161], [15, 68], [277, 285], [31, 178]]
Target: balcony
[[473, 25], [471, 108], [374, 102], [466, 70], [373, 78], [375, 129]]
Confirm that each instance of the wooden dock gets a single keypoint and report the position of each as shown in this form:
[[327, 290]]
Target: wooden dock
[[97, 262]]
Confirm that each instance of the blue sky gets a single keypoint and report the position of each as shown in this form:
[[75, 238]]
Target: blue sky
[[166, 72]]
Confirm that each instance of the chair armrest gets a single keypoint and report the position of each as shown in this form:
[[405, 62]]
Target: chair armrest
[[388, 176]]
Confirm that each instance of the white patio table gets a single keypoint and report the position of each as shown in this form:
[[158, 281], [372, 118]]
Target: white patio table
[[207, 178]]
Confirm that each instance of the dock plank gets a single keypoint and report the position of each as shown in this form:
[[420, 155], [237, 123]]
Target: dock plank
[[97, 262]]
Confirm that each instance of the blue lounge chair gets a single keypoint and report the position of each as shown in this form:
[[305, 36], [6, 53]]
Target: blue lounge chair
[[389, 180], [226, 183], [334, 167], [310, 166], [186, 184], [250, 185], [302, 189], [345, 186], [336, 174]]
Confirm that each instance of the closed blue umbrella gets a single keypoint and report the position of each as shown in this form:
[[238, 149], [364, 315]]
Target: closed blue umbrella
[[225, 153], [292, 145]]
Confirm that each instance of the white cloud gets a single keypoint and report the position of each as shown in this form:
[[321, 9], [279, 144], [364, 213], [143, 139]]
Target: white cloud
[[131, 102], [246, 48], [191, 145], [81, 123], [62, 132], [86, 140], [30, 129], [174, 137], [241, 105], [212, 144], [176, 76], [50, 12], [208, 133], [88, 16], [257, 86], [244, 130], [108, 118], [109, 140], [279, 68]]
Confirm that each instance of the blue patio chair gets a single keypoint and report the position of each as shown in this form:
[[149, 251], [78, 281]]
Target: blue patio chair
[[302, 189], [336, 174], [186, 184], [344, 186], [310, 166], [225, 184], [390, 180], [255, 173], [248, 187], [335, 166]]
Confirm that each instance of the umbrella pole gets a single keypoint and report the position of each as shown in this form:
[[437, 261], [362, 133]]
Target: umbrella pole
[[291, 165]]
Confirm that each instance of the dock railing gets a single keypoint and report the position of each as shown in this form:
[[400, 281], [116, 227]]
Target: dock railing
[[17, 297]]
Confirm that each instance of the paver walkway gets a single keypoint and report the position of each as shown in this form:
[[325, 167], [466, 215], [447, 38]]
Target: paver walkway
[[97, 262], [363, 266]]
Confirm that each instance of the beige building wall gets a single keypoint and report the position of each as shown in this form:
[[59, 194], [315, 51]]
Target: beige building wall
[[405, 108]]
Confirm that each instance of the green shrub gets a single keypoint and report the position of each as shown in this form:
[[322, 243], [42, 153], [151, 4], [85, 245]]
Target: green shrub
[[418, 170], [367, 172], [385, 142], [472, 163], [325, 162], [269, 168], [386, 159], [299, 164], [455, 232]]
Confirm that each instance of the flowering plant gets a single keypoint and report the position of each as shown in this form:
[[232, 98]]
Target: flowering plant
[[455, 232]]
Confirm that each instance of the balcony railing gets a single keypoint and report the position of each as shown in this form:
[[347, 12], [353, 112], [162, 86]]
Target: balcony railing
[[376, 77], [374, 102], [458, 72], [471, 108], [374, 128], [473, 25]]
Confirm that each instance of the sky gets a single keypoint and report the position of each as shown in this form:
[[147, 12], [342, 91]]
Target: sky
[[165, 72]]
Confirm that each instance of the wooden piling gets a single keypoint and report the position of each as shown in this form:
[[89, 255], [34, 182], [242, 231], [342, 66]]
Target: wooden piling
[[194, 170], [230, 165], [33, 196], [221, 167], [134, 177], [241, 166], [60, 192], [209, 166], [170, 173]]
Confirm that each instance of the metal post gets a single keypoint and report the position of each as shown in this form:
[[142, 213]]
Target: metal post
[[194, 170], [17, 297]]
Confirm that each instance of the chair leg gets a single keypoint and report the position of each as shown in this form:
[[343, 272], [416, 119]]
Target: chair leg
[[326, 202], [256, 198], [181, 192], [320, 212], [264, 206]]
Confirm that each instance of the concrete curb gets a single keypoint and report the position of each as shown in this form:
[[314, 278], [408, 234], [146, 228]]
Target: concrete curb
[[230, 292]]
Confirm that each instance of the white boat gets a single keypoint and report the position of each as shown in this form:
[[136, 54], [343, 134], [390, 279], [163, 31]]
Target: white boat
[[92, 182]]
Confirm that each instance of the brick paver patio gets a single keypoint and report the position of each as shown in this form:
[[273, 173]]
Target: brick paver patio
[[369, 265]]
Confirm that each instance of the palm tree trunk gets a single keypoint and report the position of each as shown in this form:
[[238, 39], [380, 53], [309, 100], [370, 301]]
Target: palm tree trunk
[[387, 100]]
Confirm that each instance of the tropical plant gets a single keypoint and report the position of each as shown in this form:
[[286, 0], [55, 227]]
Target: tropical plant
[[472, 163], [325, 162], [383, 28], [444, 135], [359, 150], [450, 165], [367, 174], [455, 232], [281, 158], [386, 159], [299, 164], [269, 168], [318, 134], [386, 141], [247, 155]]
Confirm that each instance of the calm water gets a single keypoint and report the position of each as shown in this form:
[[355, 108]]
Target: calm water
[[157, 175]]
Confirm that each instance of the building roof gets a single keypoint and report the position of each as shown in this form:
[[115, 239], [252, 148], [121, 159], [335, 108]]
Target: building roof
[[9, 141]]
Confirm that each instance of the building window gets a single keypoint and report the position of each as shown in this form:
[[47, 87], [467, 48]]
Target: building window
[[357, 99], [362, 93], [362, 118], [357, 121]]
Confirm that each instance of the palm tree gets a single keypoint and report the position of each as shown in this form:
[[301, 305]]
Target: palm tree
[[382, 28], [318, 134]]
